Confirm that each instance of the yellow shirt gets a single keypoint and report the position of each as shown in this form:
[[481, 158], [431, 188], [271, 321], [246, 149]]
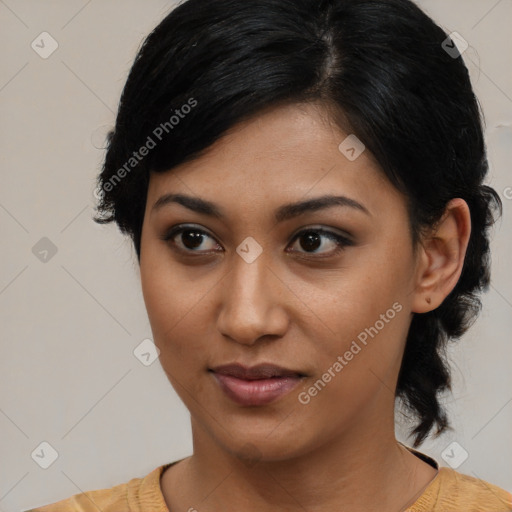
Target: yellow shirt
[[449, 491]]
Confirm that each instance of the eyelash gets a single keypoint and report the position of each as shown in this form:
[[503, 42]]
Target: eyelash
[[340, 240]]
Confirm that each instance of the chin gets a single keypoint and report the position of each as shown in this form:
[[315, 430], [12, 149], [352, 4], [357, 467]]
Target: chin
[[253, 448]]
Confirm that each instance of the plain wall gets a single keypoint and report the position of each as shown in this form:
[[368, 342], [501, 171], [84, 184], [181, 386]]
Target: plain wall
[[69, 325]]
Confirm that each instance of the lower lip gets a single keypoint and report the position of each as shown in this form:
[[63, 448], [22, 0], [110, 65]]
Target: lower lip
[[255, 392]]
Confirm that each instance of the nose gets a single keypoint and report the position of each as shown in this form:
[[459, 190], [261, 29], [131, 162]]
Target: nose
[[252, 302]]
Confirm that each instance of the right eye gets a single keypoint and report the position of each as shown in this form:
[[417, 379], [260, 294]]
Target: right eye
[[189, 238]]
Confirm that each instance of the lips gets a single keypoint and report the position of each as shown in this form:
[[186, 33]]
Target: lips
[[257, 385], [260, 371]]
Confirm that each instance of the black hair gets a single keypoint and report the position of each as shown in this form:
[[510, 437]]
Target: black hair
[[382, 70]]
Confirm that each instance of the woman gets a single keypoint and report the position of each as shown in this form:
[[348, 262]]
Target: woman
[[303, 184]]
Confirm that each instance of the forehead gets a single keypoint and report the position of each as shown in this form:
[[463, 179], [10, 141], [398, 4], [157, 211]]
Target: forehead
[[280, 155]]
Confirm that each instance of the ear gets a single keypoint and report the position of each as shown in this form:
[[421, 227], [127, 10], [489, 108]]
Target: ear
[[441, 257]]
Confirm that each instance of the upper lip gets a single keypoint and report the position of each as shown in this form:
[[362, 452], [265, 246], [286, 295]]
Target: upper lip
[[259, 371]]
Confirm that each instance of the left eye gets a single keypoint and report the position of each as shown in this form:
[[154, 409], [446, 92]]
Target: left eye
[[313, 239]]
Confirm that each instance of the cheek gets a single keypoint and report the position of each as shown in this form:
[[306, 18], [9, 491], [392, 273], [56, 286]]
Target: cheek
[[163, 298], [356, 365], [176, 309], [163, 286], [369, 338], [362, 317]]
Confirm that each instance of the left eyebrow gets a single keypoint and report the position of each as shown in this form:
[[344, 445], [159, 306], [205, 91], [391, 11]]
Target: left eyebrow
[[292, 210], [283, 213]]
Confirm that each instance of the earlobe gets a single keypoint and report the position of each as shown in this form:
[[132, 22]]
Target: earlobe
[[442, 257]]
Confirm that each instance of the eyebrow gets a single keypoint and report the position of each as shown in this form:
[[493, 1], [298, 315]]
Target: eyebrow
[[283, 213]]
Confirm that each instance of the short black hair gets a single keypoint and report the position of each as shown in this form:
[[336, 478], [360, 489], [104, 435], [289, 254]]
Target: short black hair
[[382, 70]]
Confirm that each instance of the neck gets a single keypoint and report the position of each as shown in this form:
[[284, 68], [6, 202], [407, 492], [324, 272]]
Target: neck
[[362, 470]]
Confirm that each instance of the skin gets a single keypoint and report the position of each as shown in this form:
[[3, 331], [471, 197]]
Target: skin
[[296, 306]]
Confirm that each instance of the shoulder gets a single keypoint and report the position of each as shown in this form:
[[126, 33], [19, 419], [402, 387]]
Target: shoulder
[[452, 491], [138, 494]]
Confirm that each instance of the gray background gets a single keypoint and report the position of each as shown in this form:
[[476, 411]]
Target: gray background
[[69, 324]]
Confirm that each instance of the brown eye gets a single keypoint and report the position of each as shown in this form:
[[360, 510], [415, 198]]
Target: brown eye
[[192, 239], [313, 239], [189, 239]]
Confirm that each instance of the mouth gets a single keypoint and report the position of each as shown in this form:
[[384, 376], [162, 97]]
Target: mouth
[[256, 385]]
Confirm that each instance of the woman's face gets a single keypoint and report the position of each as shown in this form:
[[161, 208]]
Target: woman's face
[[244, 287]]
